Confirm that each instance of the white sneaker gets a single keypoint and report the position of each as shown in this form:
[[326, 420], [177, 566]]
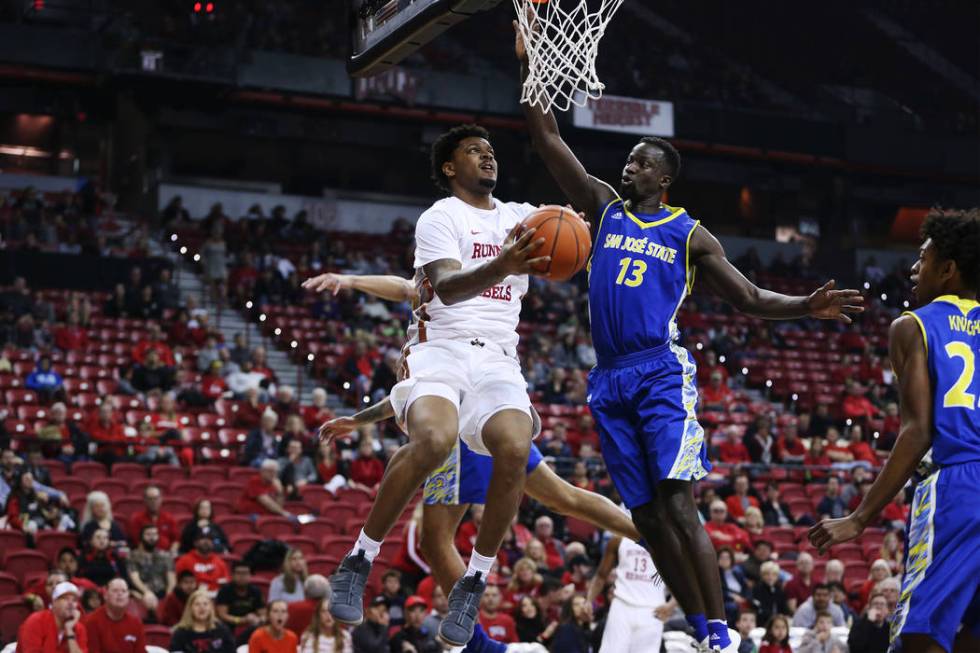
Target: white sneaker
[[733, 635]]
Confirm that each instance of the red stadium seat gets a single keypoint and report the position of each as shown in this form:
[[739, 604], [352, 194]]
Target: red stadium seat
[[11, 540], [9, 585], [19, 397], [235, 524], [89, 470], [13, 612], [114, 488], [319, 529], [50, 542], [337, 512], [314, 494], [188, 491], [32, 413], [390, 547], [241, 475], [127, 506], [167, 474], [240, 544], [274, 526], [74, 486], [128, 472], [157, 635], [305, 544], [321, 564], [10, 382], [263, 585], [337, 546], [23, 561], [211, 421]]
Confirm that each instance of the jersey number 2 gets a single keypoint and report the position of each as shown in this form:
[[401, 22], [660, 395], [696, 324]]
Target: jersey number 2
[[957, 396], [636, 273]]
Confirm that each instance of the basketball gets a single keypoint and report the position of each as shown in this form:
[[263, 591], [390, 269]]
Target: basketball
[[566, 240]]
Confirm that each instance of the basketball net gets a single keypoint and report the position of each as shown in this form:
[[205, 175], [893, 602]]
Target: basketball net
[[562, 42]]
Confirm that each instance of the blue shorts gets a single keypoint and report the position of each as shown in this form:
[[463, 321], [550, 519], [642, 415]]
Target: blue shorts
[[644, 408], [941, 584], [465, 477]]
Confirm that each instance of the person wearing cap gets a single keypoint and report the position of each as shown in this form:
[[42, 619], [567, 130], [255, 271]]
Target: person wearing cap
[[111, 629], [316, 587], [372, 635], [57, 630], [208, 568], [414, 637]]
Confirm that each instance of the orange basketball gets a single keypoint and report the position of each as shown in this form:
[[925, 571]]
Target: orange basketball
[[566, 240]]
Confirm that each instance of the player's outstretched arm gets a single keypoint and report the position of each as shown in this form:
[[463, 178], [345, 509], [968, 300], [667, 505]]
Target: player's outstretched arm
[[343, 426], [609, 559], [908, 356], [386, 286], [825, 303], [586, 193]]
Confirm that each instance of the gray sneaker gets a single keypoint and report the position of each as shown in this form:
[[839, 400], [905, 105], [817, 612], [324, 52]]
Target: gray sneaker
[[464, 608], [347, 589]]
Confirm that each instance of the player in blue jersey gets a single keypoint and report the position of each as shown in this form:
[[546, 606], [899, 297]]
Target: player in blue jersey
[[934, 351], [642, 391]]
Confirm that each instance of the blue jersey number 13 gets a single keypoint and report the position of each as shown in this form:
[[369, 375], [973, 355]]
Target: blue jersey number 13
[[636, 272]]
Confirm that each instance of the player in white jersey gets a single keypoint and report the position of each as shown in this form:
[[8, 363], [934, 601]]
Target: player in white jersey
[[472, 252], [631, 626]]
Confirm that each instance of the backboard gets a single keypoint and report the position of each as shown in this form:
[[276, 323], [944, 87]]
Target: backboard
[[383, 32]]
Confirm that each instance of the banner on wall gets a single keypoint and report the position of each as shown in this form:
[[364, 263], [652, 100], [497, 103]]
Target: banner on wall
[[627, 115]]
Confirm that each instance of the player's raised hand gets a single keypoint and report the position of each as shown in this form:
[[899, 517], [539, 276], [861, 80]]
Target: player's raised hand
[[339, 427], [827, 303], [328, 281], [834, 531], [516, 256]]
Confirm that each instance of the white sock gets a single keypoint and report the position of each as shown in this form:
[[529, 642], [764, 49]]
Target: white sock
[[481, 564], [370, 547]]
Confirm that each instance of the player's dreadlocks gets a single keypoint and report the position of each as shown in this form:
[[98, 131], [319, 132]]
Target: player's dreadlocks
[[956, 235], [671, 156], [446, 144]]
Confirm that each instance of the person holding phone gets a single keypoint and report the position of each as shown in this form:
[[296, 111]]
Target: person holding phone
[[56, 630]]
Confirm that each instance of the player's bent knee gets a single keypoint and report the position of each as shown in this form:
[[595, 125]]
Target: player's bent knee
[[437, 441]]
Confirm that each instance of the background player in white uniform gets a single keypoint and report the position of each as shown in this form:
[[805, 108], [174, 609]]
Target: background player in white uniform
[[631, 626], [469, 249]]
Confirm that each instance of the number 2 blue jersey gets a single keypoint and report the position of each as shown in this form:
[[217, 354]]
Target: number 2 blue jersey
[[951, 330], [639, 274]]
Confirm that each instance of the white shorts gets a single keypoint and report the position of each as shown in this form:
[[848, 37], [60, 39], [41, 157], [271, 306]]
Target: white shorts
[[631, 629], [477, 376]]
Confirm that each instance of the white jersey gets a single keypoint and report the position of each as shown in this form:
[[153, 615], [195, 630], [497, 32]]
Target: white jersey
[[635, 573], [452, 229]]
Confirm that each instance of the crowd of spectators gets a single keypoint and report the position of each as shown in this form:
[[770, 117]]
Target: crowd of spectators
[[176, 366]]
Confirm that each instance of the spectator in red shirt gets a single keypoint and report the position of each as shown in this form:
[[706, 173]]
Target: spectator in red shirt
[[860, 449], [107, 432], [263, 494], [71, 336], [526, 581], [544, 531], [583, 433], [317, 413], [836, 451], [741, 499], [58, 630], [466, 535], [499, 625], [724, 533], [172, 607], [213, 385], [111, 629], [800, 587], [208, 568], [579, 571], [896, 513], [154, 514], [789, 448], [250, 412], [155, 341], [856, 405], [715, 395], [733, 451], [366, 470], [709, 367]]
